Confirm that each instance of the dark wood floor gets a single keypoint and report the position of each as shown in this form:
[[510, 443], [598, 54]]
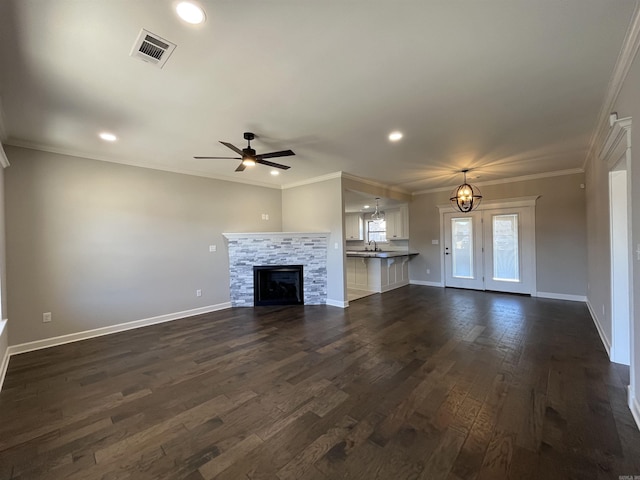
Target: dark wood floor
[[418, 383]]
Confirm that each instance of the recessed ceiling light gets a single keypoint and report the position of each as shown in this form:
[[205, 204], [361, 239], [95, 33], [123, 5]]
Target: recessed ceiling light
[[190, 13], [275, 173], [365, 206], [395, 136], [108, 137]]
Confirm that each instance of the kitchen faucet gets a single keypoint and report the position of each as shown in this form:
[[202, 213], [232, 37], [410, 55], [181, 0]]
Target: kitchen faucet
[[375, 245]]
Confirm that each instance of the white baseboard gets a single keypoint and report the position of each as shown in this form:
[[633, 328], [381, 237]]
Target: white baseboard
[[634, 406], [121, 327], [337, 303], [4, 361], [3, 368], [561, 296], [603, 338], [426, 284]]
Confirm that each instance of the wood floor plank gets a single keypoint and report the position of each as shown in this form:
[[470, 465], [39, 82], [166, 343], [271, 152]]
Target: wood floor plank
[[419, 382]]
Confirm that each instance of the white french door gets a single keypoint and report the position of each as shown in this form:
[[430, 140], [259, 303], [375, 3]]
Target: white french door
[[463, 250], [491, 249]]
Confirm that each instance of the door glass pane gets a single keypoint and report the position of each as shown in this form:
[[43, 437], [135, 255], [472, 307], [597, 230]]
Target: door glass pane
[[462, 247], [506, 266]]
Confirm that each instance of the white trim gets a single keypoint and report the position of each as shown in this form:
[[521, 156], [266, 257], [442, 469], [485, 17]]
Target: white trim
[[561, 296], [522, 178], [337, 303], [309, 181], [4, 161], [373, 183], [4, 362], [426, 284], [121, 327], [630, 46], [634, 406], [3, 367], [603, 338], [130, 163], [529, 201], [617, 142], [235, 235]]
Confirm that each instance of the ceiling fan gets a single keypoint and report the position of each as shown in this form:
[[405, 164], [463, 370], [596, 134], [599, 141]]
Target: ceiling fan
[[249, 157]]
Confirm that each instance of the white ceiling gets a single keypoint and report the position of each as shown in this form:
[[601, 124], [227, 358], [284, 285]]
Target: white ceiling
[[507, 88]]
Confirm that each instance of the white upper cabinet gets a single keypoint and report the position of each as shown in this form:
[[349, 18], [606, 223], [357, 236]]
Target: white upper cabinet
[[353, 226], [397, 223]]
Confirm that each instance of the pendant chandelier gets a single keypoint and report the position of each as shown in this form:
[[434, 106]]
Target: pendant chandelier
[[378, 214], [466, 197]]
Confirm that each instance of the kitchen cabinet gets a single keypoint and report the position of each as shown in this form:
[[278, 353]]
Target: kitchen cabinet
[[397, 223], [353, 226], [377, 274]]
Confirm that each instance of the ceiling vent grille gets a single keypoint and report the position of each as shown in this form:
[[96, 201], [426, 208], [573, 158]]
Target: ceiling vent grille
[[152, 48]]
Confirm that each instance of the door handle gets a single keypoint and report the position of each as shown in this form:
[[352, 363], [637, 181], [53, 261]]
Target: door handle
[[446, 248]]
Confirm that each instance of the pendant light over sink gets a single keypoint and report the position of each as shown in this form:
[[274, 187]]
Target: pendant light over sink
[[466, 197], [378, 214]]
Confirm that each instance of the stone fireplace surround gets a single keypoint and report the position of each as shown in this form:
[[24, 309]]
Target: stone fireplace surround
[[247, 250]]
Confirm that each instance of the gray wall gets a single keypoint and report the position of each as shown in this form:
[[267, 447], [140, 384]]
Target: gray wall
[[626, 105], [561, 253], [98, 243], [319, 207]]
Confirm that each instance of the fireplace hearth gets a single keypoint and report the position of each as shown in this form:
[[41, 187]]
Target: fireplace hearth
[[278, 285]]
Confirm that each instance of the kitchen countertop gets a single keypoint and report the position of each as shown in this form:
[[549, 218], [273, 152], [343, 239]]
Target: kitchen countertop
[[383, 254]]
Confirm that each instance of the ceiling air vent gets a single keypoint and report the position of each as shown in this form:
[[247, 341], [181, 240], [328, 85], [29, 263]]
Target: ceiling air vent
[[152, 48]]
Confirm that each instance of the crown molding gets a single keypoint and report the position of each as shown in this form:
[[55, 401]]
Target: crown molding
[[373, 183], [629, 49], [523, 178], [163, 168], [309, 181]]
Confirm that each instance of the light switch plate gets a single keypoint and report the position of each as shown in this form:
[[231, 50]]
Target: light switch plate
[[212, 248]]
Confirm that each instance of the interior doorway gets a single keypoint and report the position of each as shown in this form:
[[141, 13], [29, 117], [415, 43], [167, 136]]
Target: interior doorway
[[620, 261]]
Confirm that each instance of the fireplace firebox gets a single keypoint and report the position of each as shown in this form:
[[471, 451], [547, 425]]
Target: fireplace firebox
[[278, 285]]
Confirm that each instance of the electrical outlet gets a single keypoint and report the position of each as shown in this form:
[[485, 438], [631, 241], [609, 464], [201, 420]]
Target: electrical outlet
[[435, 242], [46, 317], [198, 293], [212, 248], [265, 216]]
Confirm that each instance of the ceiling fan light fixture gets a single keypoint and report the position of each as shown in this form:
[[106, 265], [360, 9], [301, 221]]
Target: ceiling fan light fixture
[[191, 13], [248, 162], [465, 197]]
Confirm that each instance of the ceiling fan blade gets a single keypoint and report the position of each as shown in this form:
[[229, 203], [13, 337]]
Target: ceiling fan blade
[[271, 164], [217, 158], [282, 153], [232, 147], [241, 167]]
